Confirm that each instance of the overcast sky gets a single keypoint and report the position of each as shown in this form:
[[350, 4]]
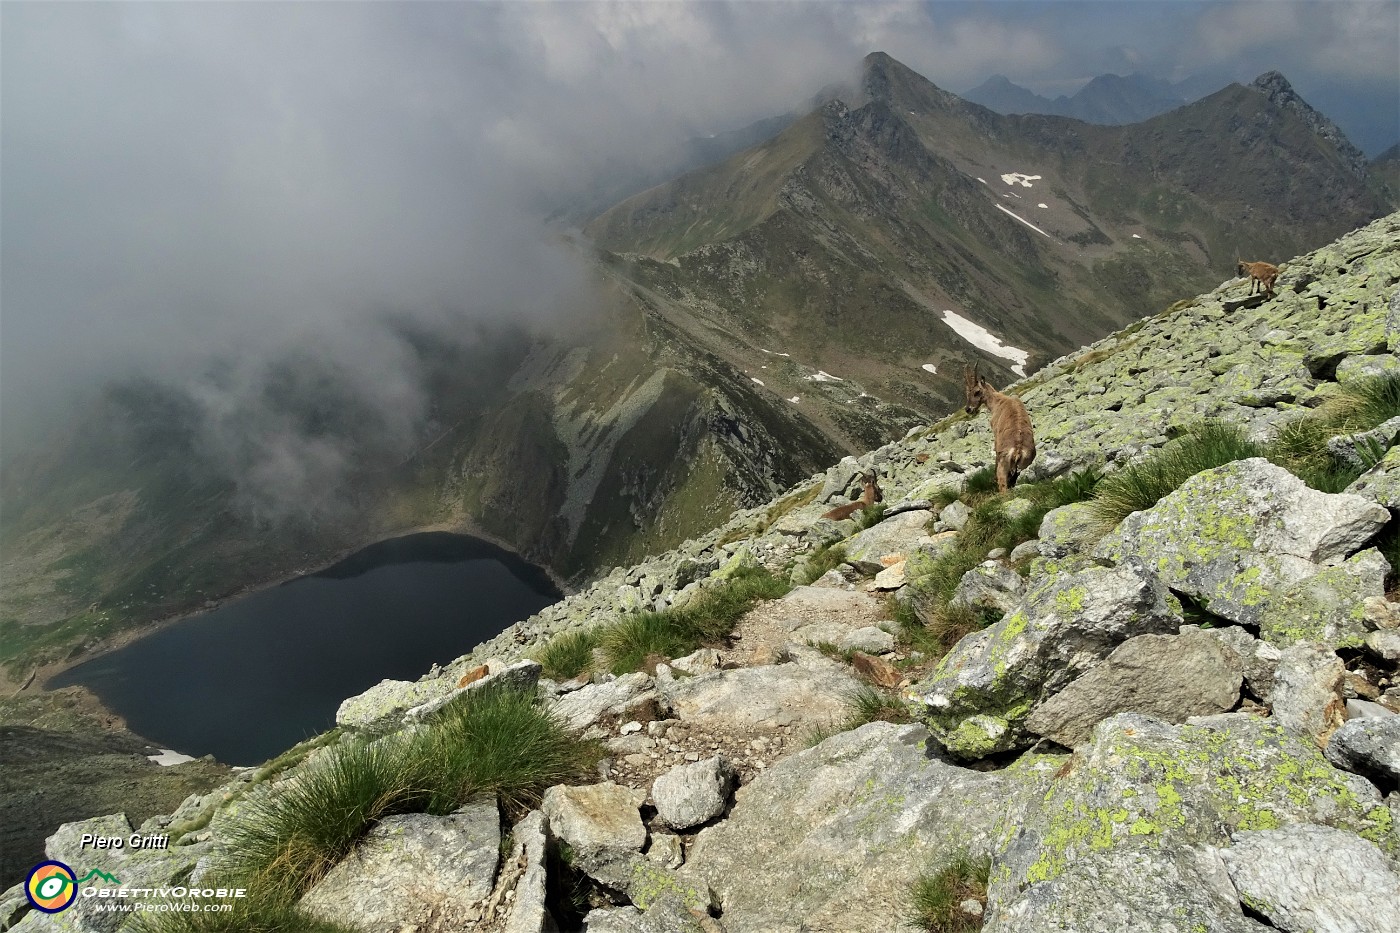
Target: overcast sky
[[184, 179]]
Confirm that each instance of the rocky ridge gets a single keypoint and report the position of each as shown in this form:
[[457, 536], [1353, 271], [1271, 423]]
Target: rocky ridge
[[1121, 767]]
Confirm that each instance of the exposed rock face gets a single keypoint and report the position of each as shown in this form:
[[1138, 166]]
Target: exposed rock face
[[981, 692], [1125, 839], [430, 871], [1370, 747], [807, 693], [1170, 677], [839, 830], [1230, 536], [1307, 696], [989, 585], [1314, 878], [598, 818]]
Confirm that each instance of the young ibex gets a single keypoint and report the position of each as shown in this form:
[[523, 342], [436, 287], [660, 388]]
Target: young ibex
[[1260, 274], [1011, 427], [870, 495]]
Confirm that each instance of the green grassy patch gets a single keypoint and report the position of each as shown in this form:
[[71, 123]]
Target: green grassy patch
[[499, 742], [935, 898], [822, 560], [568, 654]]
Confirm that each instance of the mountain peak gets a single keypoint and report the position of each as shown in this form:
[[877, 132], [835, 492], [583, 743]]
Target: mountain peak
[[1275, 87]]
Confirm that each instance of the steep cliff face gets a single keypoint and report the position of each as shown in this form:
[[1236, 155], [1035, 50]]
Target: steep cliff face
[[1181, 719]]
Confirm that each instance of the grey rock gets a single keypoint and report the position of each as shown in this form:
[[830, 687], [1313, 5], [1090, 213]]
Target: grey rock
[[1126, 837], [1025, 551], [697, 662], [1355, 368], [524, 875], [1381, 483], [1064, 626], [596, 818], [1384, 644], [955, 515], [1360, 709], [1070, 529], [619, 697], [1365, 449], [798, 695], [666, 849], [1314, 879], [1327, 607], [689, 795], [669, 914], [1258, 659], [840, 831], [1307, 696], [389, 698], [433, 871], [892, 537], [1230, 535], [522, 676], [1170, 677], [989, 585], [1368, 746]]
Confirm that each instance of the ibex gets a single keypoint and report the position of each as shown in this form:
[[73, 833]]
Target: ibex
[[1011, 427], [1260, 274], [869, 495]]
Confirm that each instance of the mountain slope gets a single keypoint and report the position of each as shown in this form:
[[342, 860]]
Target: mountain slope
[[1106, 99]]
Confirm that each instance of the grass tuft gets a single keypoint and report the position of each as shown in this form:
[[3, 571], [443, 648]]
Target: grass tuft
[[822, 561], [936, 897], [568, 654]]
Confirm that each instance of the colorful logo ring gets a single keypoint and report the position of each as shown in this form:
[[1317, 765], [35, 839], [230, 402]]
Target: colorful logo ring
[[51, 887]]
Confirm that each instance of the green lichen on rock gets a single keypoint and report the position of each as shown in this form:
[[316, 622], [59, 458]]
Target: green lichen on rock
[[1328, 607], [650, 882]]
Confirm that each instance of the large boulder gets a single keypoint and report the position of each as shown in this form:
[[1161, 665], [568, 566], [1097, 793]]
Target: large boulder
[[1314, 879], [1370, 747], [1126, 838], [810, 692], [596, 818], [1170, 677], [433, 872], [990, 585], [840, 831], [1307, 696], [620, 698], [1231, 536], [981, 692], [1381, 483], [1327, 607], [691, 794], [878, 546]]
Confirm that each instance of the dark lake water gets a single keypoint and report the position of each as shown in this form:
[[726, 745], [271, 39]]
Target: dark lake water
[[246, 681]]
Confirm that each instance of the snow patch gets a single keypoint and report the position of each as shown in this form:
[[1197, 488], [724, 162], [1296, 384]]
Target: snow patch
[[1024, 221], [168, 757], [823, 376], [1136, 237], [794, 399], [983, 339], [1020, 178], [774, 352], [929, 367], [759, 381], [982, 180], [1046, 206]]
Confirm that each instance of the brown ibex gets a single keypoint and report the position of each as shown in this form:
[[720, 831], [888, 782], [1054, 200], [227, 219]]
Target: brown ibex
[[1011, 427], [869, 495], [1260, 274]]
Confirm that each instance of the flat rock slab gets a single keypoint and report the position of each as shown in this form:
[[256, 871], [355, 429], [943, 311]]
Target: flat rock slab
[[1315, 879], [838, 832], [808, 606], [587, 705], [810, 693], [433, 872], [1171, 677], [596, 818]]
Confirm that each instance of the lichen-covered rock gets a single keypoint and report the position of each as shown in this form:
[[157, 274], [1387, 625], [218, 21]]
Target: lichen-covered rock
[[390, 698], [1232, 535], [1169, 677], [689, 795], [1368, 746], [1070, 529], [1384, 644], [1314, 879], [954, 515], [838, 832], [1365, 448], [668, 914], [429, 871], [1328, 607], [1063, 627], [1307, 697], [989, 585], [1381, 483], [524, 877], [1123, 840], [522, 676]]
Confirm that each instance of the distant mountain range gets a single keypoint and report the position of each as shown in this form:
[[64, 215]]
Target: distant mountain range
[[813, 292], [1107, 99]]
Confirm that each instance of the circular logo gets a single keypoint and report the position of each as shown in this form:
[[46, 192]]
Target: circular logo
[[51, 887]]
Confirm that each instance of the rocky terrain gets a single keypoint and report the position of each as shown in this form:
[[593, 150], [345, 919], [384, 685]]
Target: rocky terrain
[[1185, 722]]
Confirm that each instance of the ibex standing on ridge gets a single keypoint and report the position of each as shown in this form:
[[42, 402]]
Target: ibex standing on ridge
[[1261, 274], [1011, 427], [870, 495]]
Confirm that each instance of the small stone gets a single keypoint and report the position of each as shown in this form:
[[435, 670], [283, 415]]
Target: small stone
[[630, 727], [971, 906]]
